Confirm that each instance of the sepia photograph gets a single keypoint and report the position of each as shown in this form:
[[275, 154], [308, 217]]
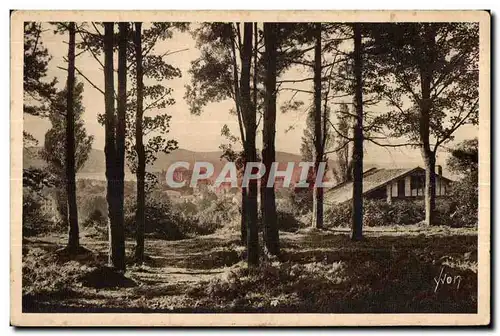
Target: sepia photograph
[[245, 167]]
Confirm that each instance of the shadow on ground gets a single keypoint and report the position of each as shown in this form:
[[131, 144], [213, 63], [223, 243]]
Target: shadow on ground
[[317, 272]]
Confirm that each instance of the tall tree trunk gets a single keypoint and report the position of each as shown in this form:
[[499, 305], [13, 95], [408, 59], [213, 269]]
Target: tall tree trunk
[[110, 145], [62, 204], [271, 234], [243, 223], [430, 187], [73, 236], [241, 118], [250, 149], [424, 128], [120, 143], [317, 217], [357, 160], [139, 147]]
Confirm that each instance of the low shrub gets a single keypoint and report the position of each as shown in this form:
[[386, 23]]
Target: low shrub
[[400, 212], [35, 220], [464, 201], [272, 286], [174, 221], [288, 222], [96, 224], [90, 204], [44, 274], [159, 219], [338, 215]]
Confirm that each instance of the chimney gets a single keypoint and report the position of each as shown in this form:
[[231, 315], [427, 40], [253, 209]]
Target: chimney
[[440, 170]]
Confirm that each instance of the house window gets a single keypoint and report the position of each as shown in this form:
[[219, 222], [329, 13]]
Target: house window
[[417, 183], [401, 188]]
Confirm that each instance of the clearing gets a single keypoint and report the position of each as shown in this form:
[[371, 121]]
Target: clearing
[[395, 269]]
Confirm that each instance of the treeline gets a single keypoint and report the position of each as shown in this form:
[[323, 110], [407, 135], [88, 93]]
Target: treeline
[[416, 82], [422, 77], [131, 137]]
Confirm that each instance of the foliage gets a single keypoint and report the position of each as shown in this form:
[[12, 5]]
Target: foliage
[[342, 167], [212, 74], [307, 145], [173, 221], [96, 218], [464, 201], [34, 220], [291, 206], [55, 138], [44, 276], [54, 151], [464, 192], [452, 61], [464, 158], [455, 211], [157, 96], [37, 93], [35, 179], [93, 211]]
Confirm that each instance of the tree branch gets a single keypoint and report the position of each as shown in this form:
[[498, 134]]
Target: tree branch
[[459, 123], [85, 77], [295, 80]]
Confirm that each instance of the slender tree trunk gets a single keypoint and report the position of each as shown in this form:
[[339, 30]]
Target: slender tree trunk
[[271, 233], [241, 122], [109, 130], [114, 174], [62, 204], [73, 236], [357, 192], [139, 147], [317, 218], [430, 188], [243, 223], [120, 143], [424, 128], [250, 149]]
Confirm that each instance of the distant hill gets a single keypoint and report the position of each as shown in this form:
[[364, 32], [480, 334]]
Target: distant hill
[[95, 167]]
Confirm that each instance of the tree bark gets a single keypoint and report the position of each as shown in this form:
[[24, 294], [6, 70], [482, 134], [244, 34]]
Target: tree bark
[[112, 128], [317, 217], [120, 143], [250, 149], [241, 118], [430, 188], [428, 154], [109, 130], [73, 234], [243, 222], [139, 147], [269, 216], [357, 191]]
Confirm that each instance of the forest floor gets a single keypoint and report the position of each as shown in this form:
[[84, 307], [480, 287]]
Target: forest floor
[[405, 269]]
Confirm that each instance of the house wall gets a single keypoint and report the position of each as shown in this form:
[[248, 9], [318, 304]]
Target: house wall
[[394, 187], [407, 186], [441, 186], [390, 191]]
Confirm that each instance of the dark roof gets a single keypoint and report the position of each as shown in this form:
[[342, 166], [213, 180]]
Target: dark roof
[[372, 179]]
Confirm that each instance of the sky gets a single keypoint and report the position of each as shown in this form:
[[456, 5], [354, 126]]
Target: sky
[[200, 133]]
